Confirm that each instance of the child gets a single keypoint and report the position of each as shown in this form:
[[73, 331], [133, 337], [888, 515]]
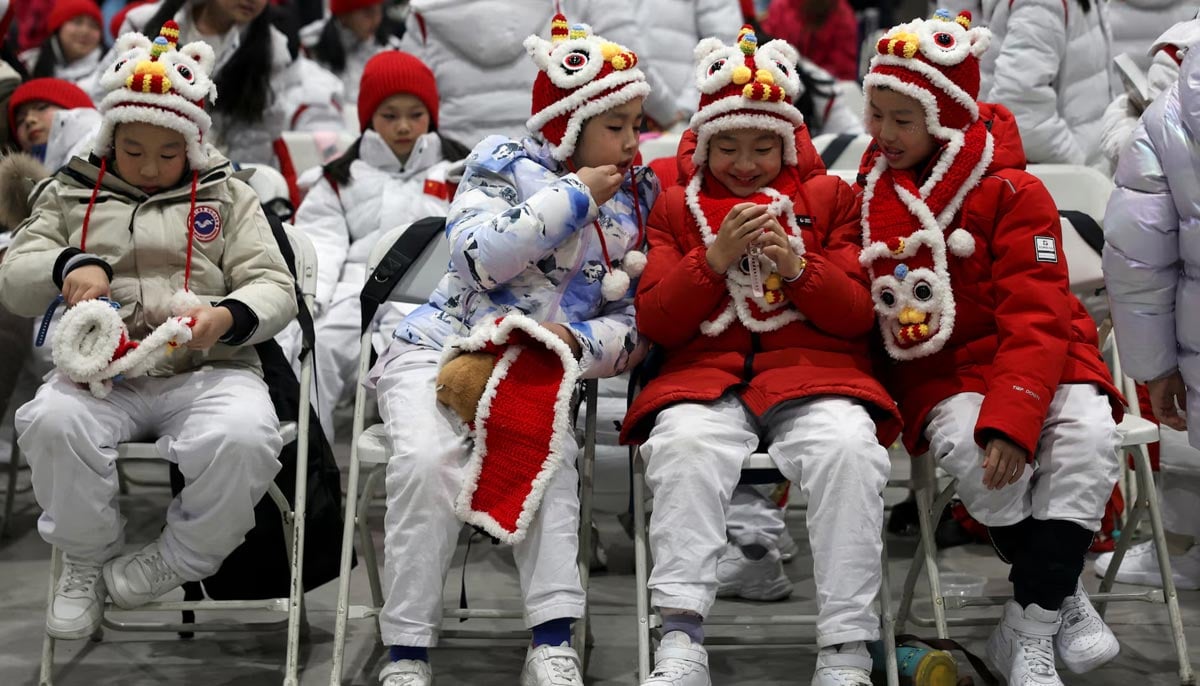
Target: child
[[196, 228], [544, 226], [788, 366], [51, 120], [75, 45], [997, 364], [393, 175], [345, 41]]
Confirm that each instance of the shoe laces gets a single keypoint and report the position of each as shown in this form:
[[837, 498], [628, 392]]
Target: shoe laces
[[79, 578], [848, 676], [672, 668], [1074, 611], [562, 670], [1038, 652], [156, 568]]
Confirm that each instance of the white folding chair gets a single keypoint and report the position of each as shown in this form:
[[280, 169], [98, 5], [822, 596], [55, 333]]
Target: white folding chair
[[661, 146], [848, 156], [370, 450], [299, 151], [757, 466], [291, 516]]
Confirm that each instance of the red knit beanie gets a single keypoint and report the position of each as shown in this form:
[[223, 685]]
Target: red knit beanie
[[66, 10], [393, 72], [345, 6], [54, 91]]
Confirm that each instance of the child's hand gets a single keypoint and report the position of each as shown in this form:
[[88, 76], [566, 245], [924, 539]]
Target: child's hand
[[1165, 393], [85, 283], [774, 241], [210, 323], [564, 334], [1003, 463], [743, 224], [603, 182]]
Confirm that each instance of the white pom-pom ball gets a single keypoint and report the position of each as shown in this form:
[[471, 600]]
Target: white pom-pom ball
[[634, 263], [961, 243], [615, 285], [183, 302]]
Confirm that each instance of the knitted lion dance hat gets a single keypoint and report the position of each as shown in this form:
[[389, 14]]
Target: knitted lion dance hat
[[579, 76], [746, 86], [156, 83], [936, 62]]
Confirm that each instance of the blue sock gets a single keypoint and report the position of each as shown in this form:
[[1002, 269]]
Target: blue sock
[[690, 624], [555, 632], [398, 653]]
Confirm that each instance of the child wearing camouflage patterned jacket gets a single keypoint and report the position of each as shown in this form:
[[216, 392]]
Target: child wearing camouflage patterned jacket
[[548, 227]]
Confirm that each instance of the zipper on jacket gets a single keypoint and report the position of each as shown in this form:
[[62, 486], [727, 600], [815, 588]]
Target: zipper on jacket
[[748, 365]]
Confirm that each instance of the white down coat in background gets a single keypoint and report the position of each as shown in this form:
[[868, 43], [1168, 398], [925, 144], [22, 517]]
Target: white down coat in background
[[1049, 63], [382, 194], [1152, 242], [671, 29], [1136, 23], [484, 75]]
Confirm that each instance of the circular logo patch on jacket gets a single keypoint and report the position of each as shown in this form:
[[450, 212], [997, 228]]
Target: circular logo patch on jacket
[[206, 223]]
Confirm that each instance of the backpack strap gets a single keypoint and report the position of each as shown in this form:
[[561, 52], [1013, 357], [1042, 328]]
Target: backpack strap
[[400, 256], [303, 316], [1086, 227], [836, 147]]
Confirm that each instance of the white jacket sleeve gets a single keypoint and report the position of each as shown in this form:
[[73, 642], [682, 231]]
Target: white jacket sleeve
[[1024, 81], [323, 219], [1141, 260], [615, 20]]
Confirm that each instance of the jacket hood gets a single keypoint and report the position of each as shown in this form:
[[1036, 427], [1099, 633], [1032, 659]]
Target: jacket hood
[[1008, 153], [1189, 92], [808, 160], [509, 23]]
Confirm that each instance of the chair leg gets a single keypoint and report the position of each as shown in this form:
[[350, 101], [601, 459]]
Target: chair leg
[[1123, 545], [888, 617], [343, 596], [926, 500], [47, 669], [10, 488], [586, 479], [1146, 486], [641, 571], [365, 543]]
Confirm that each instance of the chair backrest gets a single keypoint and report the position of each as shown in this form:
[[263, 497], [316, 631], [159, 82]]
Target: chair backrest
[[423, 276], [851, 95], [267, 182], [659, 147], [847, 158], [306, 260], [299, 151], [1085, 190]]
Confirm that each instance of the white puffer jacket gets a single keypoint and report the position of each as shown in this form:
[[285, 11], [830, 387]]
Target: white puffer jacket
[[78, 72], [1152, 242], [1136, 23], [484, 75], [306, 96], [1049, 63], [357, 55], [671, 29], [345, 223]]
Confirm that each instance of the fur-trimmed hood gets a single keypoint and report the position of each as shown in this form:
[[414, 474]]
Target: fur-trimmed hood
[[19, 173]]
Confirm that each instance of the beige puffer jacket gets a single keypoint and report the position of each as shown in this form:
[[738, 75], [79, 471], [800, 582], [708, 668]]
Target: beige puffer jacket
[[144, 240]]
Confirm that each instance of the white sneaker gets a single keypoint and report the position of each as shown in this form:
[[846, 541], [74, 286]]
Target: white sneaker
[[552, 666], [138, 578], [78, 604], [679, 662], [1140, 567], [846, 665], [1084, 642], [788, 550], [1022, 646], [406, 673], [741, 577]]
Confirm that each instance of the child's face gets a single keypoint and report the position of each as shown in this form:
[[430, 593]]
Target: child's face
[[897, 122], [238, 11], [150, 157], [401, 120], [79, 37], [34, 120], [610, 137], [745, 160], [363, 22]]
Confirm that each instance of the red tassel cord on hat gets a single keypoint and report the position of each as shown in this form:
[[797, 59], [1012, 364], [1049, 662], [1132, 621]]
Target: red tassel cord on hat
[[640, 264]]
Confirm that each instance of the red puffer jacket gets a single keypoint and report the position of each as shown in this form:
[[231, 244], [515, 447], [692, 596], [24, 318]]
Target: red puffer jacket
[[824, 353], [1019, 332]]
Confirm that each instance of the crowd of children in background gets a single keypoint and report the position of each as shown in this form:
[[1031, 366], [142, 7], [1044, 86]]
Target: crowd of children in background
[[783, 309]]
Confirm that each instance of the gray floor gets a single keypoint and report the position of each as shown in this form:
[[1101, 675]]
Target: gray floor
[[250, 659]]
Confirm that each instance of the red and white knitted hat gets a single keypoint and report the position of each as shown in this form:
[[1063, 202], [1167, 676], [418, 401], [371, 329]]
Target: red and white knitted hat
[[746, 86], [579, 76], [155, 83], [907, 228], [523, 429]]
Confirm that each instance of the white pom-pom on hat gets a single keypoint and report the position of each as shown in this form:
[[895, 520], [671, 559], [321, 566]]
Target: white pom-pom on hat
[[615, 285], [634, 263], [961, 243]]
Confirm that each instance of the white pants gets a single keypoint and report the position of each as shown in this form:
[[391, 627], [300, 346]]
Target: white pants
[[430, 447], [754, 518], [217, 425], [337, 331], [1073, 472], [694, 456]]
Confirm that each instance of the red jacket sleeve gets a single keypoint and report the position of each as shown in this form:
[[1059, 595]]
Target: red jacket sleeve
[[832, 292], [678, 291], [1033, 315]]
